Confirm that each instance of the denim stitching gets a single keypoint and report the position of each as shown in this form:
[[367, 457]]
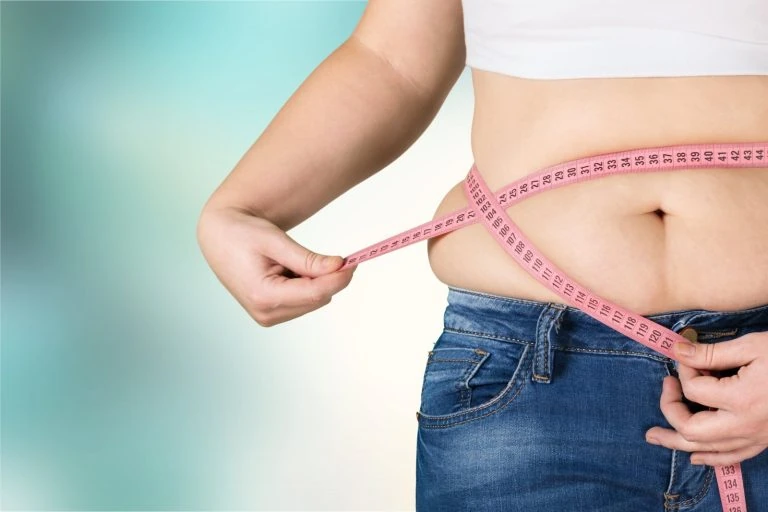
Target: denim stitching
[[712, 335], [547, 347], [434, 356], [493, 336], [655, 357], [699, 495], [537, 303], [471, 371], [524, 360], [487, 335], [699, 312], [559, 320], [667, 494], [435, 360], [477, 366], [465, 394], [468, 420], [673, 473], [542, 345], [661, 359], [516, 381]]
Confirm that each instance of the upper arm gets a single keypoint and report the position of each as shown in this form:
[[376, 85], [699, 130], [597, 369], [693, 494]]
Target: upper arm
[[423, 40]]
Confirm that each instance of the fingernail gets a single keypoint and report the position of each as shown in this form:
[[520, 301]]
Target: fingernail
[[652, 440], [685, 349], [696, 461]]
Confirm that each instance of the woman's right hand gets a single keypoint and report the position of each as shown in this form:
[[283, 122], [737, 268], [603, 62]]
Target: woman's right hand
[[273, 277]]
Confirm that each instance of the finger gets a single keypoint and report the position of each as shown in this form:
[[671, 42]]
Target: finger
[[702, 426], [675, 441], [716, 356], [671, 403], [289, 253], [706, 389], [280, 291], [726, 458], [686, 372]]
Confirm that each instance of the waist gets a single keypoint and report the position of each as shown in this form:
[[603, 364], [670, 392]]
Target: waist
[[516, 320], [709, 249]]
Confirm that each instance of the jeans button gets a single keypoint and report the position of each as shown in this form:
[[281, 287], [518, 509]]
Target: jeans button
[[690, 334]]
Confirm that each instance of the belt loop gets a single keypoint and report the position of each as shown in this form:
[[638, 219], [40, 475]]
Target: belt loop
[[543, 349]]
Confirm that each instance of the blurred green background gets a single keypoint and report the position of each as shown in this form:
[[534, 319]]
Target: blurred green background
[[119, 347]]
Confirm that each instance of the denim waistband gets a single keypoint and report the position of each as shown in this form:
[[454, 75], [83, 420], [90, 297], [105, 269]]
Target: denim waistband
[[516, 319]]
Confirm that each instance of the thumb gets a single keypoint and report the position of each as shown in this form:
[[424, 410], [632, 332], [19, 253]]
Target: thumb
[[715, 356], [286, 251]]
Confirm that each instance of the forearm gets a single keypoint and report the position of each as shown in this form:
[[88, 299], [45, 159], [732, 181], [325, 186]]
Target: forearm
[[350, 118]]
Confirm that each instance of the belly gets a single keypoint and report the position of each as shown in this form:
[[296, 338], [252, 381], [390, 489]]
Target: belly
[[708, 250]]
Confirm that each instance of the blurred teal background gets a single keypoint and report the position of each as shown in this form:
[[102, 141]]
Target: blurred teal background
[[119, 347]]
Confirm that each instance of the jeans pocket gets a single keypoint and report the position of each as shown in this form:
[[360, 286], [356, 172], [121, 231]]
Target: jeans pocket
[[469, 376]]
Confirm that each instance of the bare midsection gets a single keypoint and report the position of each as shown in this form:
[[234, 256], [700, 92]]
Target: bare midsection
[[709, 250]]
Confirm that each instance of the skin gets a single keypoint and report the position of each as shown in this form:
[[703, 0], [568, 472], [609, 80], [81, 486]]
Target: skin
[[737, 428], [372, 98]]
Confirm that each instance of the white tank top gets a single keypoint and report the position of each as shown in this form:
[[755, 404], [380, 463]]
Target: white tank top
[[552, 39]]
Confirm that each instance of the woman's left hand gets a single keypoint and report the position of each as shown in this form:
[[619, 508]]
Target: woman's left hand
[[738, 428]]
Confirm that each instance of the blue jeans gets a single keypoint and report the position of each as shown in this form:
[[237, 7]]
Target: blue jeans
[[529, 405]]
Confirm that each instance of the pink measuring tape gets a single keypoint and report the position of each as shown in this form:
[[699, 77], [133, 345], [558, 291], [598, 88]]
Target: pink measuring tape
[[489, 208]]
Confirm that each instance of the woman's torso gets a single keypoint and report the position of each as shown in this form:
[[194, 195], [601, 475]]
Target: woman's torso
[[709, 251]]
